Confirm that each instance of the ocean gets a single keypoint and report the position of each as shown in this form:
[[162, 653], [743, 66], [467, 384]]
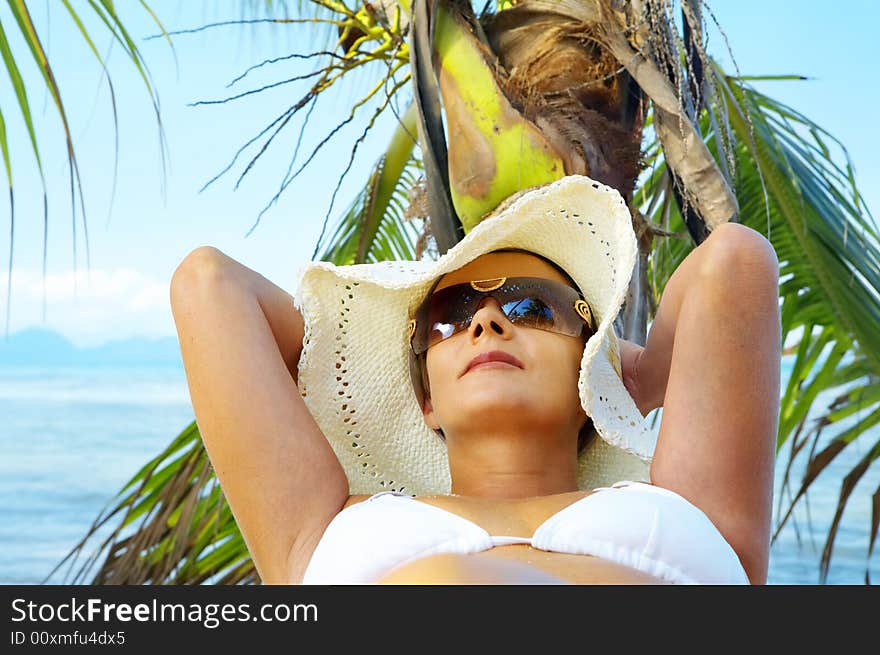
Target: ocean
[[70, 438]]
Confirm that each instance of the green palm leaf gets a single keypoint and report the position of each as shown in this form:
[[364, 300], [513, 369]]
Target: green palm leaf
[[374, 228]]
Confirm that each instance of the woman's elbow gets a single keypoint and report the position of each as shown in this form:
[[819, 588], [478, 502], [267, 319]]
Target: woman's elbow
[[202, 268]]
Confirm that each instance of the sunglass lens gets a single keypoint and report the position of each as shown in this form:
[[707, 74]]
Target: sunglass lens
[[449, 311]]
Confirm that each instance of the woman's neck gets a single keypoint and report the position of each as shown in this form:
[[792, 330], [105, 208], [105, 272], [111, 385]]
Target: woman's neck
[[521, 464]]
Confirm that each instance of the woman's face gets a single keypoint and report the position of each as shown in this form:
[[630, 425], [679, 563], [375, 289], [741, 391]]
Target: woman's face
[[539, 391]]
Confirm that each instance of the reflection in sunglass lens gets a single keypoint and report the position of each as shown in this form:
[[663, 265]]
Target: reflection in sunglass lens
[[440, 331], [529, 312]]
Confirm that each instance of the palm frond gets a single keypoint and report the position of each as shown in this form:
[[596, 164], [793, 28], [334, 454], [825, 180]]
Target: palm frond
[[432, 136], [106, 13], [172, 526], [648, 46], [395, 238], [375, 227], [367, 42]]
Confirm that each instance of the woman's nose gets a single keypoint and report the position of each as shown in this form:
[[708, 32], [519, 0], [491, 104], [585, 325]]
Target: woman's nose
[[489, 318]]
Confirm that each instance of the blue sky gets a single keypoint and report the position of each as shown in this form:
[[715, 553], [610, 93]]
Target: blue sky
[[151, 229]]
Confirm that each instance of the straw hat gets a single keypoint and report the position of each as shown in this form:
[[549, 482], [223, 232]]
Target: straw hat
[[356, 363]]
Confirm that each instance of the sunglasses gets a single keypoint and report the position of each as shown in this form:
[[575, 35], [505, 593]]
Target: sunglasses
[[526, 302]]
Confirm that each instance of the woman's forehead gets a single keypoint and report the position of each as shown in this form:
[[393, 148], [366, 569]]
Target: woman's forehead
[[502, 264]]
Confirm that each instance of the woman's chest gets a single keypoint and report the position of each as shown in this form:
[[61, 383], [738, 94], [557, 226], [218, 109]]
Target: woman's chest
[[513, 517]]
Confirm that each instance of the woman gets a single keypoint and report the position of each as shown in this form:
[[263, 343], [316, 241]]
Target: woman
[[430, 379]]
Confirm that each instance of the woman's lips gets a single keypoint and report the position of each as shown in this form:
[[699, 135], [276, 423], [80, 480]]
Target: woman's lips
[[493, 359]]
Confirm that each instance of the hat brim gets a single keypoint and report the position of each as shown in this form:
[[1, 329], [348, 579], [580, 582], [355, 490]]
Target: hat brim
[[354, 371]]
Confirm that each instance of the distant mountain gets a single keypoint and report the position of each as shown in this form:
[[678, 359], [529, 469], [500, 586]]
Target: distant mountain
[[42, 347]]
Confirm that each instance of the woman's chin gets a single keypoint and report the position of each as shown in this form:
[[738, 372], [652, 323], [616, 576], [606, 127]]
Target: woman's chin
[[491, 406]]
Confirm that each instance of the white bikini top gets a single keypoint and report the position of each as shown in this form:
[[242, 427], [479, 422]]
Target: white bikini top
[[635, 524]]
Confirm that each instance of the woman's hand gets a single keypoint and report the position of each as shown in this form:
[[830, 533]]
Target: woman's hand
[[630, 358]]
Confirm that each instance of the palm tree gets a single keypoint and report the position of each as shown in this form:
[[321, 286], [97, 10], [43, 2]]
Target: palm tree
[[612, 89]]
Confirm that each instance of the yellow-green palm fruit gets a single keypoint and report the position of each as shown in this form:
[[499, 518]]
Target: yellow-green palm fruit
[[493, 150]]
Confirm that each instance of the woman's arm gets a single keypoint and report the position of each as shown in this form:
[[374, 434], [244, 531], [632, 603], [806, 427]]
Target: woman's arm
[[241, 338], [712, 361]]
